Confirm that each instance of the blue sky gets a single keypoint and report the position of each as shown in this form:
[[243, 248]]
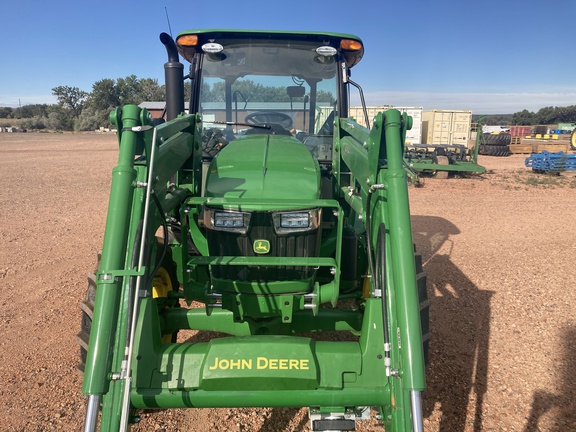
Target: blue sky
[[487, 56]]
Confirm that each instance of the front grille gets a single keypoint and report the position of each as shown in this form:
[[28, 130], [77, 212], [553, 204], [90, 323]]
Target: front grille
[[223, 243]]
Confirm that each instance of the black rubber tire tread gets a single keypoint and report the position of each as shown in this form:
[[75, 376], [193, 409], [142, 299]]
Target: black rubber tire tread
[[494, 150], [424, 303], [489, 138], [501, 150], [87, 308], [497, 139], [441, 160], [421, 281]]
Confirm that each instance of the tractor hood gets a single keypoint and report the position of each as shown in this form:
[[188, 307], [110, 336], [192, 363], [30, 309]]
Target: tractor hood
[[261, 167]]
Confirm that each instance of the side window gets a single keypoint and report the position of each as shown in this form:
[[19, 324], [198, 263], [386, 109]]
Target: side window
[[213, 112]]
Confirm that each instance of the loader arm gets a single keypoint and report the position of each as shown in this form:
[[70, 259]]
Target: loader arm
[[374, 159]]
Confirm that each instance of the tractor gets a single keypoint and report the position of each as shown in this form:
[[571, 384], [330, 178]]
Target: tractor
[[257, 214]]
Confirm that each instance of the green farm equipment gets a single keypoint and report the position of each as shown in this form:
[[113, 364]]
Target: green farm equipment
[[264, 218], [439, 160]]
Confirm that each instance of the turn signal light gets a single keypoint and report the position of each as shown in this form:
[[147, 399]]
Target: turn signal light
[[350, 45], [187, 40]]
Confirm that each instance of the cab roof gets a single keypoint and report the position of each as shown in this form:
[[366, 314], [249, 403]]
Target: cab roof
[[351, 56]]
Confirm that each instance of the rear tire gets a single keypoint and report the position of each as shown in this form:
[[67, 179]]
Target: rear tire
[[573, 140]]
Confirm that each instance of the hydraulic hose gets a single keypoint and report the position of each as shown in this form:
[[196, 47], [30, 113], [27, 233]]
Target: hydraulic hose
[[165, 245], [378, 282]]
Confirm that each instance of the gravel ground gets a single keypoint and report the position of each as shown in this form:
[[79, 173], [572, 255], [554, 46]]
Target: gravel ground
[[497, 249]]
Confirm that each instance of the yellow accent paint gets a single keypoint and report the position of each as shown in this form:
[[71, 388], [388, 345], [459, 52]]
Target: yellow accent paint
[[261, 363]]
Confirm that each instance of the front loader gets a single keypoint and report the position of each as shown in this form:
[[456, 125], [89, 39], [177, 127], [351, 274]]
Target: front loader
[[265, 218]]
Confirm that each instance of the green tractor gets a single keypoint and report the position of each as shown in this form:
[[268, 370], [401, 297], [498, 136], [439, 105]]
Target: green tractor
[[259, 214]]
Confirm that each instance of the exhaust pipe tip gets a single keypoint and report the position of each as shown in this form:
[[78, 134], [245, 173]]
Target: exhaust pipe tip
[[170, 45]]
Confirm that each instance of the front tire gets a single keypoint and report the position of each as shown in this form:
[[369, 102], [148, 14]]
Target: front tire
[[87, 308], [421, 284], [165, 280]]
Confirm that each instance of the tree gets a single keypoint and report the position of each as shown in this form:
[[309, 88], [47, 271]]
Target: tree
[[128, 90], [34, 110], [104, 95], [70, 98], [70, 104], [108, 94], [6, 112], [103, 99], [59, 119], [523, 118], [150, 91], [566, 114]]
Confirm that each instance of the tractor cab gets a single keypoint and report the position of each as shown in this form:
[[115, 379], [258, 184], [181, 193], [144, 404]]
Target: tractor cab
[[288, 86]]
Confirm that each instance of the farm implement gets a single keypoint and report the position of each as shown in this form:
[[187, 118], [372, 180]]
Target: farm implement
[[439, 160], [547, 162], [272, 225]]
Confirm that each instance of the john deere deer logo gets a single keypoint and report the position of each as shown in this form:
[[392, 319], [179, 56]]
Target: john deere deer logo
[[261, 246]]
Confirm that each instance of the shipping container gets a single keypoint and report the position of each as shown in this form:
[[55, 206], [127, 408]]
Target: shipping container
[[540, 130], [520, 131], [413, 136], [357, 113], [446, 126], [568, 127]]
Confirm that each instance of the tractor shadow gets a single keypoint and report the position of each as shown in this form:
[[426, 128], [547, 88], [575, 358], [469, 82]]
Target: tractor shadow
[[460, 326], [560, 407]]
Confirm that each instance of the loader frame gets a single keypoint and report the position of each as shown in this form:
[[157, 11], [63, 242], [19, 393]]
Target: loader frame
[[271, 355]]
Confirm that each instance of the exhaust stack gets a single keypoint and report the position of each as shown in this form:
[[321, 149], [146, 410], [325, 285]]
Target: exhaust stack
[[174, 77]]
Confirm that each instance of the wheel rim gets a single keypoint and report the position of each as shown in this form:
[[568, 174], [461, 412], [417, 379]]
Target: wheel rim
[[162, 283]]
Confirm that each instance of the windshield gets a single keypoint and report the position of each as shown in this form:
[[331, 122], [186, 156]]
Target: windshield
[[273, 87]]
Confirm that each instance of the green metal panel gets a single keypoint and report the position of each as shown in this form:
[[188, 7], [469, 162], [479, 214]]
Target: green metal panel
[[280, 167], [268, 33]]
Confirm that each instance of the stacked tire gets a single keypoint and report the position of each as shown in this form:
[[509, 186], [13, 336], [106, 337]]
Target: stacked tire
[[495, 145]]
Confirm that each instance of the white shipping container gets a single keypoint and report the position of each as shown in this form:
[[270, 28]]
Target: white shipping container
[[446, 126], [357, 113], [413, 136]]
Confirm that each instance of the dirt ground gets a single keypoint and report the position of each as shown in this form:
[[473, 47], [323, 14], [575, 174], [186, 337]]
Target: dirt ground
[[498, 249]]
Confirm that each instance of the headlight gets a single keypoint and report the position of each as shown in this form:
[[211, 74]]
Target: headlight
[[296, 221], [222, 220]]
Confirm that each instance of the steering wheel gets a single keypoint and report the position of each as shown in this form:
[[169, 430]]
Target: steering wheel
[[268, 117]]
